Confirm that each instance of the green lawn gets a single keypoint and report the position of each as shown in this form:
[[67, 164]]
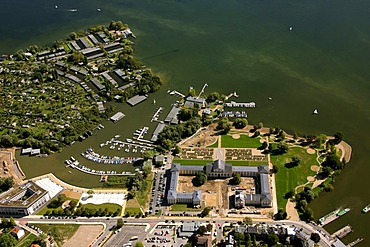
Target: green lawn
[[246, 163], [184, 207], [142, 195], [192, 162], [112, 207], [46, 208], [132, 211], [27, 240], [244, 141], [61, 233], [289, 178], [214, 145]]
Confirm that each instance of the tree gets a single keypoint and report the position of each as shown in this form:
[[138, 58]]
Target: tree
[[248, 240], [139, 244], [289, 194], [338, 137], [247, 220], [206, 211], [119, 223], [239, 237], [315, 237], [236, 179], [272, 239], [282, 148], [200, 179], [223, 125], [213, 97], [7, 240], [280, 215], [333, 161], [240, 123], [296, 160], [275, 169], [202, 230]]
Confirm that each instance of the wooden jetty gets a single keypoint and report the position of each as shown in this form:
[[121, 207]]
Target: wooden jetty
[[359, 240], [341, 233]]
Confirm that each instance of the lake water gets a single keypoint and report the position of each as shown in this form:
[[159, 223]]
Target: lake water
[[243, 46]]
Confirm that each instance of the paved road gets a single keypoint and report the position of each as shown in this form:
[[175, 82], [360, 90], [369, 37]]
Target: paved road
[[151, 223]]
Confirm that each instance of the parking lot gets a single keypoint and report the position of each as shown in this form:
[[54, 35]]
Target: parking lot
[[162, 235], [158, 191], [125, 234]]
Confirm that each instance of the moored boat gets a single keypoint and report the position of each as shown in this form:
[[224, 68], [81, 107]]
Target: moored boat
[[343, 212], [366, 209], [329, 215]]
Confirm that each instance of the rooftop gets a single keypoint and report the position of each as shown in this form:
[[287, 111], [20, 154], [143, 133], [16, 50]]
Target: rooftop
[[136, 99], [23, 195]]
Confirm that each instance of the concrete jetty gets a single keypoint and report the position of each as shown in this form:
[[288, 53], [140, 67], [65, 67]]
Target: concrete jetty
[[341, 233], [359, 240]]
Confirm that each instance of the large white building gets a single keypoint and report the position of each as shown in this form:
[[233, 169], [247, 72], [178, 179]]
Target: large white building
[[23, 200]]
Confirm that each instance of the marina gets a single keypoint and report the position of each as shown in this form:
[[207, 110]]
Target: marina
[[156, 114], [242, 105], [333, 216], [341, 233], [329, 217], [75, 164]]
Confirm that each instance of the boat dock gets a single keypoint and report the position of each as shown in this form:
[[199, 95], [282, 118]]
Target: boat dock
[[359, 240], [341, 233], [174, 92], [142, 132], [156, 114], [329, 217]]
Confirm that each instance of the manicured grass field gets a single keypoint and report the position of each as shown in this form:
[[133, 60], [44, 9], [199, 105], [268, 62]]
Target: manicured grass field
[[246, 163], [110, 206], [244, 141], [289, 178], [60, 232], [233, 162], [214, 145], [192, 162], [132, 210], [184, 207]]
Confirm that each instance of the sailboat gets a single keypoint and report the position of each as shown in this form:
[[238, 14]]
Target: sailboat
[[315, 111], [290, 28], [154, 101]]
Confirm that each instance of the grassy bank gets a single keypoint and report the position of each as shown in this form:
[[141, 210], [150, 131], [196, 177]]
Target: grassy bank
[[60, 232], [289, 178]]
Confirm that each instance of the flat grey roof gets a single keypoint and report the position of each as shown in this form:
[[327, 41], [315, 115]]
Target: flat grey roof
[[84, 42], [136, 100], [265, 186], [192, 168], [157, 130], [172, 115], [97, 84], [245, 169], [75, 45], [110, 79], [93, 39], [117, 116]]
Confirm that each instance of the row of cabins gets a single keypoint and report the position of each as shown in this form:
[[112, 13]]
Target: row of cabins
[[51, 54], [219, 169], [95, 39]]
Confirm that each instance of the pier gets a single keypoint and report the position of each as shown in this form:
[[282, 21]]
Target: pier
[[244, 105], [156, 114], [359, 240], [341, 233], [174, 92]]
